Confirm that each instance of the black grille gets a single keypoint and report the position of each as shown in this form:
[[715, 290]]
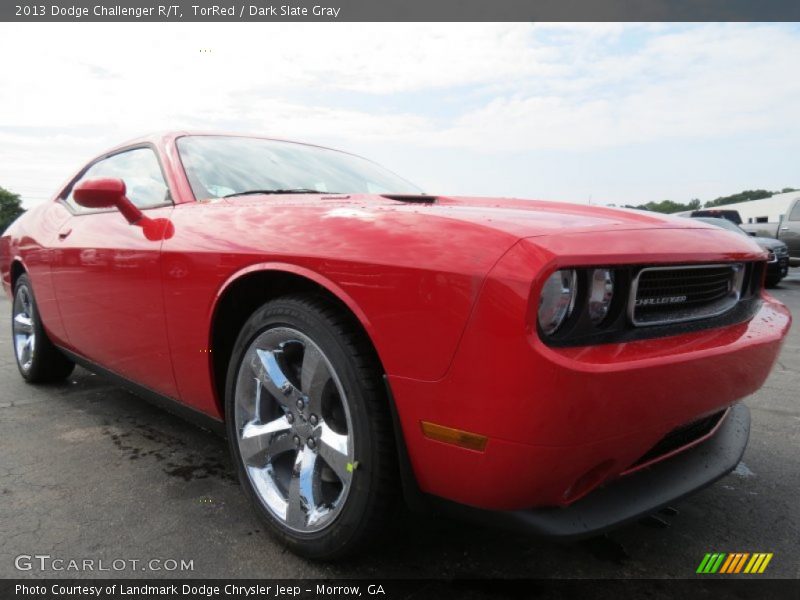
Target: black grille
[[684, 293], [619, 325], [680, 437]]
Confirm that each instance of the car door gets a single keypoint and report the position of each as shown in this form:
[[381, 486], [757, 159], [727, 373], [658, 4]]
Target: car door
[[107, 275], [789, 230]]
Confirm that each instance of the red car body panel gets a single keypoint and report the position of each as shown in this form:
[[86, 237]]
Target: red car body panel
[[554, 414], [444, 292]]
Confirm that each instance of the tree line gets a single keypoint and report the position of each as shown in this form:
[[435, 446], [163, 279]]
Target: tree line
[[670, 206], [10, 208]]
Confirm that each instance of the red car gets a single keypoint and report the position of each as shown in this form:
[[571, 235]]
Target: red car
[[555, 368]]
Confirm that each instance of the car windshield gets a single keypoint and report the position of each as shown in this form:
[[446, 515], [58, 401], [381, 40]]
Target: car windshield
[[724, 223], [218, 166]]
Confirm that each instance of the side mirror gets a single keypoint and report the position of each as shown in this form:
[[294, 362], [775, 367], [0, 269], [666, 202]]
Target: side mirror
[[106, 193]]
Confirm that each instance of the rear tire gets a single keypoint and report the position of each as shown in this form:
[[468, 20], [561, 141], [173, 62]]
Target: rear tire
[[772, 282], [38, 360], [309, 427]]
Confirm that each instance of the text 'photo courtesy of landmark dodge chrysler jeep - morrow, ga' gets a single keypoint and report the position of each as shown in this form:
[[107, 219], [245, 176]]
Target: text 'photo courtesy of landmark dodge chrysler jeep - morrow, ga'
[[539, 365]]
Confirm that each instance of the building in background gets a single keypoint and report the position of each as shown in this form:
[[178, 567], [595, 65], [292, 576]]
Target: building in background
[[766, 210]]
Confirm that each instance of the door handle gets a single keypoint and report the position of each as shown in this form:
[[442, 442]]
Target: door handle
[[62, 235], [784, 229]]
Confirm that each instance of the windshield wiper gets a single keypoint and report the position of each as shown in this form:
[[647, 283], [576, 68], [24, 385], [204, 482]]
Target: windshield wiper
[[279, 191]]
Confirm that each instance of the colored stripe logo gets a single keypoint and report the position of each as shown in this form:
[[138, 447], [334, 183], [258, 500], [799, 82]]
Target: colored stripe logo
[[734, 562]]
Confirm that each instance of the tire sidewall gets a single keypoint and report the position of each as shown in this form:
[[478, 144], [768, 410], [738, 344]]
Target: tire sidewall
[[331, 540]]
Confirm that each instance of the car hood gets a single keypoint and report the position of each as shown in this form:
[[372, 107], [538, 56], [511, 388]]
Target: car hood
[[517, 217], [768, 243]]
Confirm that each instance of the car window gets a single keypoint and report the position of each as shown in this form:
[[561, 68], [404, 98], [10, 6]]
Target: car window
[[140, 171], [723, 223], [795, 214], [224, 165]]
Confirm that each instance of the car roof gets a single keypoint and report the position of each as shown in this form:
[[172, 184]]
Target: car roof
[[162, 138]]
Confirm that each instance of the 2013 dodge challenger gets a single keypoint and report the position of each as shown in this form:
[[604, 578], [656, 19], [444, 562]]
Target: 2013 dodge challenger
[[556, 368]]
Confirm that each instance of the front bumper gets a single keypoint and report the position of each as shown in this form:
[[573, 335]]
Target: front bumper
[[778, 268], [590, 414], [633, 496], [562, 422]]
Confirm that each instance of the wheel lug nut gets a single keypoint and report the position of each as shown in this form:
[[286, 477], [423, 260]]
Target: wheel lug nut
[[289, 418], [311, 443], [313, 419], [301, 404], [297, 440]]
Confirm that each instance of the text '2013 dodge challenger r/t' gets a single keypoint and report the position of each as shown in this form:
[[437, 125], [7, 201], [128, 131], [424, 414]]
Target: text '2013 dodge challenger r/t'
[[556, 368]]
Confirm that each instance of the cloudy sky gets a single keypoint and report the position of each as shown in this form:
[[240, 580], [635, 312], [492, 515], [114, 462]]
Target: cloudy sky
[[600, 112]]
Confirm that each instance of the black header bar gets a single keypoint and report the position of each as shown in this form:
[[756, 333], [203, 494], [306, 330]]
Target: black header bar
[[400, 10], [743, 588]]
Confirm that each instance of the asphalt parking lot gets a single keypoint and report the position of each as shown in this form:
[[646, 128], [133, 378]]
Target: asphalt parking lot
[[90, 471]]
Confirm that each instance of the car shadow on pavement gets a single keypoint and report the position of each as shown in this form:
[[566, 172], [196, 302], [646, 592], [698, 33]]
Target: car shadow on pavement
[[187, 491], [415, 545]]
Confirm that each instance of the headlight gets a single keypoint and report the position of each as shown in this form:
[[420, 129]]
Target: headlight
[[601, 292], [557, 300]]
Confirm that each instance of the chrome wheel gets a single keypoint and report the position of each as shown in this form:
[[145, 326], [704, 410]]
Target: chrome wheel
[[294, 429], [23, 329]]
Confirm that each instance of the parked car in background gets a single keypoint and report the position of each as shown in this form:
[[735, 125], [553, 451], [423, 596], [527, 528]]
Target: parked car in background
[[536, 364], [786, 230], [718, 213], [777, 251], [762, 229]]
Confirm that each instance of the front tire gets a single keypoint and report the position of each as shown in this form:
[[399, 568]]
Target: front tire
[[38, 360], [309, 427]]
